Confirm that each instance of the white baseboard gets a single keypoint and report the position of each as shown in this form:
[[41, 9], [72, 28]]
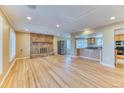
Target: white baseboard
[[108, 65], [87, 58], [90, 58], [74, 56], [7, 72]]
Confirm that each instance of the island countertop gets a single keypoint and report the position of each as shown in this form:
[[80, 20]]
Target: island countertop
[[90, 53]]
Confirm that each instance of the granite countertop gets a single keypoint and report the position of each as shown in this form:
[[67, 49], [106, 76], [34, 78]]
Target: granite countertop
[[92, 48]]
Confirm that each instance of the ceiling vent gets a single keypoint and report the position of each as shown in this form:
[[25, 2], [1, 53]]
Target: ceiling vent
[[32, 6]]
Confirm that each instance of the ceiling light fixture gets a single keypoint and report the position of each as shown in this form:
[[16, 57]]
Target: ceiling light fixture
[[57, 26], [29, 18], [112, 18]]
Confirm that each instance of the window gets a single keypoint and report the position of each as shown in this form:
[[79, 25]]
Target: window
[[81, 43], [99, 41], [12, 45], [1, 38]]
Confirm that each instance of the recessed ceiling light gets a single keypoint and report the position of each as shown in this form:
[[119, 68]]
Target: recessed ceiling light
[[29, 18], [26, 29], [112, 18], [57, 26]]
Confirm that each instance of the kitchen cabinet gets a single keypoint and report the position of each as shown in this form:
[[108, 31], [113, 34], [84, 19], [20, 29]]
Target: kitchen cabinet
[[93, 54], [91, 41], [119, 37], [116, 38]]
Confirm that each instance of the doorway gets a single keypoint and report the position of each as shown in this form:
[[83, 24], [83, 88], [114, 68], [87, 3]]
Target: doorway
[[62, 47]]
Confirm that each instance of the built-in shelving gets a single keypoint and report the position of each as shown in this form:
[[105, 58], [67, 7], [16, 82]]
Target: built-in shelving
[[41, 45]]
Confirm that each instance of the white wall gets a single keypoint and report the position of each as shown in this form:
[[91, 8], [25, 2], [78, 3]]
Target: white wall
[[1, 38], [108, 53], [22, 44]]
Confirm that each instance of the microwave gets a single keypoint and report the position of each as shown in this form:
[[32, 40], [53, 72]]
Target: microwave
[[120, 43]]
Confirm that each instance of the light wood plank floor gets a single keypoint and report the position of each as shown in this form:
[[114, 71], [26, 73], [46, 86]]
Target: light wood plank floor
[[62, 72]]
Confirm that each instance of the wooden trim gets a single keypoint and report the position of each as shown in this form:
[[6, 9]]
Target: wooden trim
[[11, 23], [23, 57]]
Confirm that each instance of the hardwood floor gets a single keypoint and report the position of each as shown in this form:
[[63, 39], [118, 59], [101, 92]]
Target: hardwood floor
[[62, 72]]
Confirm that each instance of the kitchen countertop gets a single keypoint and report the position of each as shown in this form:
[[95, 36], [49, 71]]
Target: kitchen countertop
[[90, 53], [99, 48]]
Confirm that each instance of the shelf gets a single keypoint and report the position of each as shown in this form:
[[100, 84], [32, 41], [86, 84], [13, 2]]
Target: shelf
[[41, 45]]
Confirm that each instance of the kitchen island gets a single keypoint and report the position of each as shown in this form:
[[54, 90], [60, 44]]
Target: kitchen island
[[90, 53]]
